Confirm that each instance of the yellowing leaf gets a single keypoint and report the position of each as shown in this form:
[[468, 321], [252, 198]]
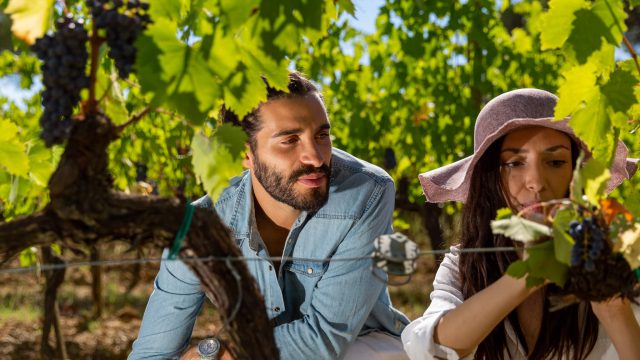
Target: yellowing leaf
[[30, 18], [557, 22], [579, 86]]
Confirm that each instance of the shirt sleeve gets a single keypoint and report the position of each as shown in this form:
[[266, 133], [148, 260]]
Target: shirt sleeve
[[334, 319], [417, 337], [171, 313]]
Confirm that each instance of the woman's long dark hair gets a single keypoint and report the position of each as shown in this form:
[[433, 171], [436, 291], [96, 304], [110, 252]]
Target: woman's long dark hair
[[571, 331]]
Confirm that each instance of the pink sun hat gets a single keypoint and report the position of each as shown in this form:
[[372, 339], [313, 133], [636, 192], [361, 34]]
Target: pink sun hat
[[505, 113]]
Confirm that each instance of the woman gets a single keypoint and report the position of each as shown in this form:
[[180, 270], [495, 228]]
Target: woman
[[477, 311]]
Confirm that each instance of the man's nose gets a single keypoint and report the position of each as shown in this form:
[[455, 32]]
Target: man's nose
[[312, 155]]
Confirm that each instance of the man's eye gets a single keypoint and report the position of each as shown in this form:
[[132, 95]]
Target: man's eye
[[324, 135], [289, 141]]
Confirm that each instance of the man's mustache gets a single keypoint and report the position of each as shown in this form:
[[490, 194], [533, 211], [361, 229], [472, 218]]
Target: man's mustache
[[305, 170]]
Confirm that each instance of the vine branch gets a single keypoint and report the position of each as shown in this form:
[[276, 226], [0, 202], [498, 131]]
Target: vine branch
[[133, 119], [632, 51]]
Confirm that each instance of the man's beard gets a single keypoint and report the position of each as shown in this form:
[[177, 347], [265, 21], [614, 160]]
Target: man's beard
[[283, 189]]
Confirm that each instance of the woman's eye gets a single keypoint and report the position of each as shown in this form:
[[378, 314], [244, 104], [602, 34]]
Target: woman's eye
[[557, 163], [512, 164]]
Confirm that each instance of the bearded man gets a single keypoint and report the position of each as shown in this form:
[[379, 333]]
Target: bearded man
[[299, 199]]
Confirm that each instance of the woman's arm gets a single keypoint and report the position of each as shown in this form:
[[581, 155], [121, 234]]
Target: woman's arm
[[464, 328], [618, 320]]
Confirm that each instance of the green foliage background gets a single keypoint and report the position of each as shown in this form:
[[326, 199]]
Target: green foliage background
[[414, 86]]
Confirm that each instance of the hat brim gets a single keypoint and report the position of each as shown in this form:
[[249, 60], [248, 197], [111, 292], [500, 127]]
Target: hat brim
[[451, 182]]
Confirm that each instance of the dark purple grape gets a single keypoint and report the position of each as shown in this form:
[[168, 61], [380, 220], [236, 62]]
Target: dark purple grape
[[64, 55], [123, 23]]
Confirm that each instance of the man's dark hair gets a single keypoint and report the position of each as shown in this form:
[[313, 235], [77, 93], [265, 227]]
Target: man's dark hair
[[298, 86]]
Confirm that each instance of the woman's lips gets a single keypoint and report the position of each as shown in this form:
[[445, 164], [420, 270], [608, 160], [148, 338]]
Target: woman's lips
[[312, 180]]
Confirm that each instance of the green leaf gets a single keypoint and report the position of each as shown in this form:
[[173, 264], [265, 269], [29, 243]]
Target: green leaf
[[592, 124], [217, 160], [347, 5], [579, 86], [520, 229], [562, 241], [236, 12], [29, 257], [30, 18], [605, 20], [175, 72], [504, 213], [518, 269], [543, 263], [12, 151], [557, 22], [595, 175], [619, 90], [41, 164], [577, 184]]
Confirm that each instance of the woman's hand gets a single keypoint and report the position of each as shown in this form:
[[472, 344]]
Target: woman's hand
[[618, 320]]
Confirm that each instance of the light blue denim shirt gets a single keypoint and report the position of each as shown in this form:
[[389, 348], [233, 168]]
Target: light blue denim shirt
[[318, 308]]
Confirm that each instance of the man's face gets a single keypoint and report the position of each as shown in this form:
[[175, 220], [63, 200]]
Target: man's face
[[293, 151]]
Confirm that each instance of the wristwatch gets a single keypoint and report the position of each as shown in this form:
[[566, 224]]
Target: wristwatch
[[208, 348]]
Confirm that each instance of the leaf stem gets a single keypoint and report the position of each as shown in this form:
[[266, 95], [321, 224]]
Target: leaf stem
[[632, 51], [134, 119]]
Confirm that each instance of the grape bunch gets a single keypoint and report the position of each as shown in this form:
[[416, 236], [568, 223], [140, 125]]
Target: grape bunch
[[596, 273], [589, 243], [122, 22], [64, 55]]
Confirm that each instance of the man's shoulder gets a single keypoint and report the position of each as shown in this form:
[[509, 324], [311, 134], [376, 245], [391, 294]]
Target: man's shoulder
[[346, 166]]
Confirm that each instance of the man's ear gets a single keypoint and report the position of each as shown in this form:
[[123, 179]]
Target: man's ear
[[247, 162]]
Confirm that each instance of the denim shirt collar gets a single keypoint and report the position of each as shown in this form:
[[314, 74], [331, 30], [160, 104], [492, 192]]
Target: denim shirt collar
[[243, 212]]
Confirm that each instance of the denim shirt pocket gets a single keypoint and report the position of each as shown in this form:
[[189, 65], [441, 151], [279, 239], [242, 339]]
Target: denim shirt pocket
[[301, 277], [307, 268]]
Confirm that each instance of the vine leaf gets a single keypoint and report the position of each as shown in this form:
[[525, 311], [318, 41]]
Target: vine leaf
[[557, 22], [30, 18], [562, 241], [540, 264], [595, 176], [520, 229], [12, 151], [577, 88], [218, 159]]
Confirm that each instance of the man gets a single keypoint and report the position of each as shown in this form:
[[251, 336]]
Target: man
[[299, 199]]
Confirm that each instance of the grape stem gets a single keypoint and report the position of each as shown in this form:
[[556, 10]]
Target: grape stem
[[632, 51], [133, 119]]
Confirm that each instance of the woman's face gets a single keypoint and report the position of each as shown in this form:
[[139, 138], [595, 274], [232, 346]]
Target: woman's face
[[535, 166]]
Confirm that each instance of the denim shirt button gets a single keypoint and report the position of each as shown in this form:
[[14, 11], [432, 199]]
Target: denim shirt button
[[309, 271], [276, 309], [270, 267]]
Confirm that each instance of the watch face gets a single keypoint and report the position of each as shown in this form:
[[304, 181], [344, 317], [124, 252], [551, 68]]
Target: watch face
[[208, 347]]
